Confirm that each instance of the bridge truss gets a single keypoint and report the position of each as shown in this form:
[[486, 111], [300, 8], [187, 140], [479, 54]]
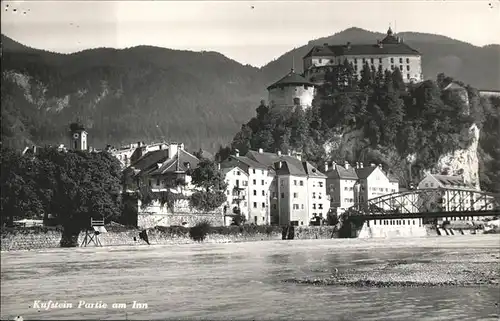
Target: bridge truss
[[429, 203]]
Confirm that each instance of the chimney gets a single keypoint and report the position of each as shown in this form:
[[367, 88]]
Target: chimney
[[138, 144], [372, 164], [333, 165], [279, 154], [380, 166], [218, 166], [346, 165], [237, 152], [289, 153], [326, 167], [357, 164], [261, 151], [361, 165]]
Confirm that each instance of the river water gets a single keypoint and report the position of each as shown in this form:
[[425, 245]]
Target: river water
[[237, 281]]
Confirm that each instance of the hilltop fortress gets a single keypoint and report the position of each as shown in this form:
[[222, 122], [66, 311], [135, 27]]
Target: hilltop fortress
[[390, 53]]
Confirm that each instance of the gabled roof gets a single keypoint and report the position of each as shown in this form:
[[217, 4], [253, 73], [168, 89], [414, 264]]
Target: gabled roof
[[368, 50], [291, 78], [181, 162], [154, 157], [340, 172], [289, 165], [364, 172], [452, 181]]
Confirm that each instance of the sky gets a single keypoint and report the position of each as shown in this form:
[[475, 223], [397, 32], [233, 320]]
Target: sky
[[250, 32]]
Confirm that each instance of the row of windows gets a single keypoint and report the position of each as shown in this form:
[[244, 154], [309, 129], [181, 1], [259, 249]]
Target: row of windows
[[372, 60], [245, 183], [254, 171], [393, 222]]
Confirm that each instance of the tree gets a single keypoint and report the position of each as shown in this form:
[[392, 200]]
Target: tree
[[207, 176], [85, 185]]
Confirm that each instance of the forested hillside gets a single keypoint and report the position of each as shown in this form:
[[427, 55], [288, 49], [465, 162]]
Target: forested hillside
[[199, 98], [393, 124]]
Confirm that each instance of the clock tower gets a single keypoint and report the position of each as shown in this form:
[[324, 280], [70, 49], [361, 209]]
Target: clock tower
[[78, 137]]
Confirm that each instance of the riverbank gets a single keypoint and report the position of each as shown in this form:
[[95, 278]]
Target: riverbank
[[472, 268], [33, 238]]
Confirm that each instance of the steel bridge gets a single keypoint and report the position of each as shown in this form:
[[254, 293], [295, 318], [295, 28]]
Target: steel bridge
[[427, 203]]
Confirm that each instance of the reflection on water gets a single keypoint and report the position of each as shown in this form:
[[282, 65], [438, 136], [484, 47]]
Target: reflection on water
[[238, 281]]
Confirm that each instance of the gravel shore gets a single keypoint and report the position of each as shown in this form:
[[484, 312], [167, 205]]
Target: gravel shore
[[481, 267]]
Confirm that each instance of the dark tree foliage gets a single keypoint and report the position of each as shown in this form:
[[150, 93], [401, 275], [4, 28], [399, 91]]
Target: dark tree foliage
[[71, 186], [397, 121], [207, 177]]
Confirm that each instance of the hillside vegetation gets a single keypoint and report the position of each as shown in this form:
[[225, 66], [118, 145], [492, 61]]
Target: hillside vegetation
[[393, 125], [199, 98]]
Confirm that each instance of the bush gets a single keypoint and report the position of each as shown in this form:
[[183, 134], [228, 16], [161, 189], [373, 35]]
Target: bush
[[199, 231]]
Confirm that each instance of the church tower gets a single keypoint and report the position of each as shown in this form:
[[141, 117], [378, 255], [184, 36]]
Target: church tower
[[78, 137]]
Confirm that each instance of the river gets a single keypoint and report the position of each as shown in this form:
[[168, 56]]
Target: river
[[239, 281]]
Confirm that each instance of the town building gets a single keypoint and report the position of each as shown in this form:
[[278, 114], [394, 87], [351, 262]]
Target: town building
[[78, 137], [248, 190], [128, 154], [455, 194], [348, 185], [292, 90], [295, 190], [389, 53]]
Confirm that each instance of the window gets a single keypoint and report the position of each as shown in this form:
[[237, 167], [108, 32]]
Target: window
[[380, 60], [355, 60], [254, 204], [314, 184], [245, 183], [263, 193], [301, 183], [319, 60], [302, 206], [371, 60], [274, 194], [401, 67], [407, 76], [400, 60], [150, 183], [331, 61], [314, 206], [282, 195], [407, 60], [157, 181], [295, 182], [314, 195], [295, 195], [295, 206], [346, 188], [255, 192], [254, 182], [263, 172], [263, 182], [296, 101], [407, 68], [238, 173], [228, 192], [245, 204], [392, 60], [392, 67], [426, 184], [282, 182], [320, 206], [253, 171], [364, 60], [275, 206], [263, 205]]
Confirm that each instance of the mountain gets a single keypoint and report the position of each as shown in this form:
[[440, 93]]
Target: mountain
[[141, 93], [199, 98], [477, 66]]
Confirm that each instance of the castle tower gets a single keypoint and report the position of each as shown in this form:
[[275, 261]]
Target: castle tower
[[78, 137], [292, 90]]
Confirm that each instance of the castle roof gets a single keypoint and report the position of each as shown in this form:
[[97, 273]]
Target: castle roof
[[291, 78], [390, 45]]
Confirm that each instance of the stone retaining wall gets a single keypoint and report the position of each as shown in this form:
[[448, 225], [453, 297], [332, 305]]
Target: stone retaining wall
[[32, 239]]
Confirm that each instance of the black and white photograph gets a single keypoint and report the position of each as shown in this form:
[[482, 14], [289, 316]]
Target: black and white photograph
[[250, 160]]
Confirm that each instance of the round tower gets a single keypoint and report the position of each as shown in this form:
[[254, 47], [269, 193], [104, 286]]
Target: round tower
[[292, 90], [78, 137]]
